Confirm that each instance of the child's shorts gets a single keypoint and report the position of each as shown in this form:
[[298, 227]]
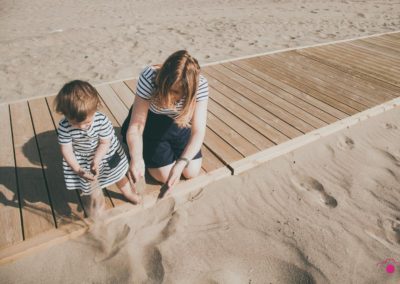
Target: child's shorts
[[163, 140]]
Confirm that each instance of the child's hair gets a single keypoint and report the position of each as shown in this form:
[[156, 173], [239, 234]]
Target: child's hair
[[181, 69], [76, 100]]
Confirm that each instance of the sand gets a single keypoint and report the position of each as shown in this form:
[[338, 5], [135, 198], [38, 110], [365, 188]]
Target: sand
[[47, 43], [327, 212]]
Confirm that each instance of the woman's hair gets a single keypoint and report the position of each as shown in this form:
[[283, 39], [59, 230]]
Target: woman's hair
[[179, 70], [76, 100]]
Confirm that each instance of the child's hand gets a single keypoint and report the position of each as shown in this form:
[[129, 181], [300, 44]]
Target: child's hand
[[94, 167], [86, 175]]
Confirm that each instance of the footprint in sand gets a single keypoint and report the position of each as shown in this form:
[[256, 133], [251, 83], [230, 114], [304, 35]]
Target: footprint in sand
[[392, 230], [389, 126], [312, 185], [387, 155], [345, 143]]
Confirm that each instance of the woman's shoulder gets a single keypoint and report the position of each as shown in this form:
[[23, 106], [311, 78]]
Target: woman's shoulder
[[202, 91], [149, 72], [202, 81]]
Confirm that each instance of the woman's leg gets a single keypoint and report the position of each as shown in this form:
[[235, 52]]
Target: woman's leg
[[161, 174], [127, 190], [193, 169]]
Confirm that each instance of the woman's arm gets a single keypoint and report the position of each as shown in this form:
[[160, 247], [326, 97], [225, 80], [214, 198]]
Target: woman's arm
[[198, 132], [134, 137]]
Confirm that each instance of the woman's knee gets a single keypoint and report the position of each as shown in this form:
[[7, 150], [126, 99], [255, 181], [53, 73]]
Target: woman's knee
[[160, 174], [193, 169]]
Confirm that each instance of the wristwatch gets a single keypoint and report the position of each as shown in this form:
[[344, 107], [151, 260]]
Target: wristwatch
[[184, 159]]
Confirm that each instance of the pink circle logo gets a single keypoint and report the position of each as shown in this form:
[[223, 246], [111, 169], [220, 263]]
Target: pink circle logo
[[389, 264]]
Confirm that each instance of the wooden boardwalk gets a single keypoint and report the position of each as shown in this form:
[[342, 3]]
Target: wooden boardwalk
[[254, 104]]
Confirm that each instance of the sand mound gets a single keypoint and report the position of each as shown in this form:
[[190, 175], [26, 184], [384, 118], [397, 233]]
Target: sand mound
[[325, 213]]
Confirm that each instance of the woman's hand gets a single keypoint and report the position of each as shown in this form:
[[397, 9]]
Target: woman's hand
[[175, 173], [136, 170]]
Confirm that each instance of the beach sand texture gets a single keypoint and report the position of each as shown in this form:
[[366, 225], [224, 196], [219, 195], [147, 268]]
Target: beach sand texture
[[327, 212], [44, 44]]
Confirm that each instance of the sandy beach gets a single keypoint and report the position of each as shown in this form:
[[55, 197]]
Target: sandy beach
[[324, 213], [44, 44], [327, 212]]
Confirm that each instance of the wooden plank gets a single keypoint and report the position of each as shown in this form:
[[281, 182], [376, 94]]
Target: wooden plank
[[10, 218], [37, 216], [113, 103], [302, 80], [126, 95], [210, 161], [239, 85], [272, 97], [285, 78], [393, 36], [241, 127], [373, 53], [386, 41], [220, 148], [56, 119], [331, 55], [376, 46], [241, 144], [350, 82], [253, 108], [327, 112], [66, 204], [370, 59], [131, 84], [311, 53], [320, 80], [248, 117]]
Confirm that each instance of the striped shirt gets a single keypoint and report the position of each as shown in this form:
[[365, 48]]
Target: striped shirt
[[85, 142], [146, 86]]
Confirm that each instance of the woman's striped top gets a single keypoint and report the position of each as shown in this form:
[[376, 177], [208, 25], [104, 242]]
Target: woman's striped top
[[85, 142], [146, 86]]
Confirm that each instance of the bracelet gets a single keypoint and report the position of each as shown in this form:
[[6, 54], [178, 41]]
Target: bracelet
[[184, 159]]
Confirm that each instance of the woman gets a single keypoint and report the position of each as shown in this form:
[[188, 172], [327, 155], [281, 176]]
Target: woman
[[166, 125]]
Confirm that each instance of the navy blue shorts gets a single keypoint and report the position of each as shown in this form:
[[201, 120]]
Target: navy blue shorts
[[163, 140]]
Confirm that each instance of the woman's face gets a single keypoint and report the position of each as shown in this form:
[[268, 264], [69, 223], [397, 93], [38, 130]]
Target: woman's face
[[176, 92]]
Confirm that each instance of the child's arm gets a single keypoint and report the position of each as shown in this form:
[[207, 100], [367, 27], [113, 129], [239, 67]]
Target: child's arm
[[69, 157], [102, 149], [105, 134]]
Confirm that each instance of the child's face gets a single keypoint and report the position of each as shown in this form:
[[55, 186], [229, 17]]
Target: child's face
[[84, 125]]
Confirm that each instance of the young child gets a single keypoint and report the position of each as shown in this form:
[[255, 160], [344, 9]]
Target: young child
[[92, 155]]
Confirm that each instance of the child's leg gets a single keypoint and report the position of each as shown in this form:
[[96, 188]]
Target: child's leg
[[94, 203], [128, 191]]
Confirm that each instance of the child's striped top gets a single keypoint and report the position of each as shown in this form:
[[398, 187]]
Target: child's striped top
[[146, 86], [85, 142]]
